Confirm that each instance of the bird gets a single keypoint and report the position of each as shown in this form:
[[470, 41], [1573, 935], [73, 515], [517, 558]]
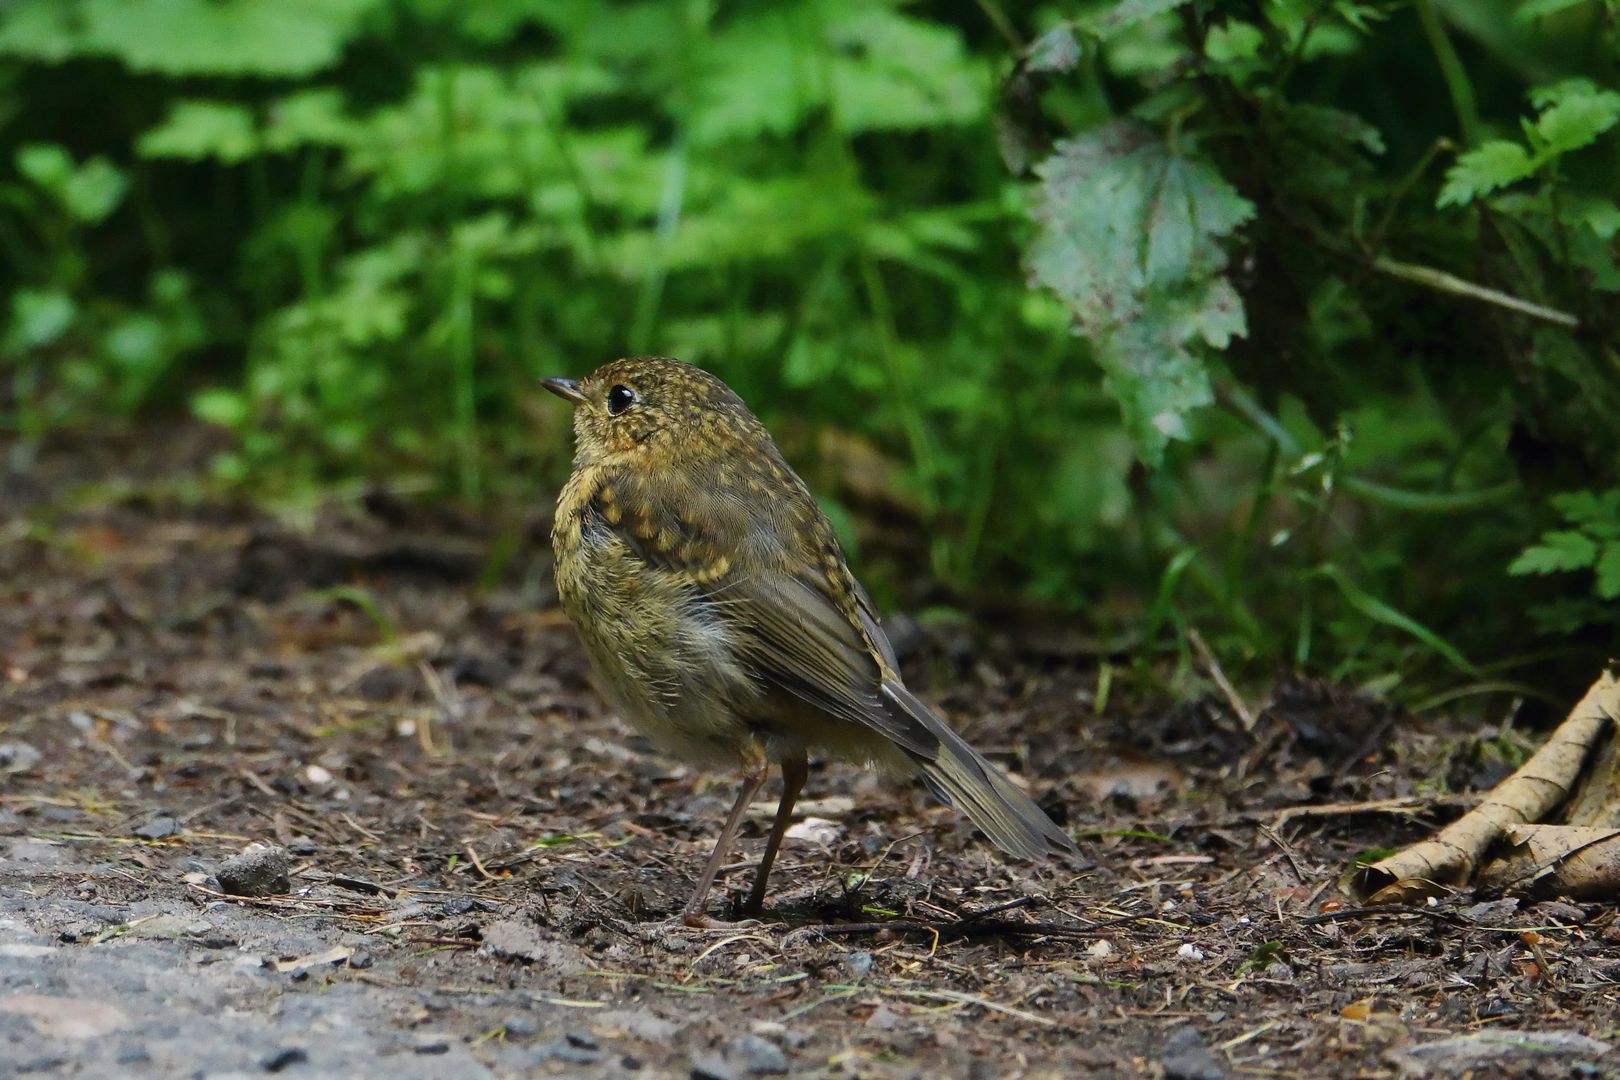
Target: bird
[[717, 609]]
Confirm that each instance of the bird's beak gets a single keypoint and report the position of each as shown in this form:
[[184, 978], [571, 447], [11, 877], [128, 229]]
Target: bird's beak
[[564, 388]]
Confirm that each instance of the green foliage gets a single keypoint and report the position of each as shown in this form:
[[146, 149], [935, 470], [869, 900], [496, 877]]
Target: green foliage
[[1310, 325], [1573, 114], [1129, 240], [1303, 359], [1590, 544]]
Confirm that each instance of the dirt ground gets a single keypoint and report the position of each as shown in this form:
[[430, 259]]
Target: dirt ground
[[483, 863]]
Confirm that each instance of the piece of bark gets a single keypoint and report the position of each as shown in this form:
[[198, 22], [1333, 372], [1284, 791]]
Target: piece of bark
[[1579, 861], [1449, 858]]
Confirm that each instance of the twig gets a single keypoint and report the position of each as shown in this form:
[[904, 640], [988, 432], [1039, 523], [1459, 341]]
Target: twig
[[1441, 281], [1386, 910], [970, 999], [1213, 666], [478, 864]]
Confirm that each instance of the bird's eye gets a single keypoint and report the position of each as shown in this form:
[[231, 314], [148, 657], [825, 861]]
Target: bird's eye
[[619, 399]]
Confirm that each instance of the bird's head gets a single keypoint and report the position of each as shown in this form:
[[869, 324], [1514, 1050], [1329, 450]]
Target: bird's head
[[648, 409]]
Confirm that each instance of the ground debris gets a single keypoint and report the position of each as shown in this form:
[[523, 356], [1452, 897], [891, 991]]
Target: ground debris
[[493, 901], [1484, 1049]]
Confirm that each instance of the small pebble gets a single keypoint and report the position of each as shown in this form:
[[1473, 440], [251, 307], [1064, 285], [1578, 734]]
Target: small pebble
[[859, 964], [1189, 951], [260, 870], [360, 959], [566, 1052], [758, 1056], [1187, 1057], [713, 1067], [157, 828], [582, 1039], [883, 1018], [276, 1060], [303, 845], [16, 757], [517, 1025], [432, 1044]]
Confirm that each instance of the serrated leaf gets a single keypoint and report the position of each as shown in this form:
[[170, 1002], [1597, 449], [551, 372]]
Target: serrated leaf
[[1576, 117], [1595, 512], [1336, 124], [1129, 239], [198, 130], [1479, 172], [1558, 551]]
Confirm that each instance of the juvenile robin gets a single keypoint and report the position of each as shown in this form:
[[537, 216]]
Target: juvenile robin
[[716, 606]]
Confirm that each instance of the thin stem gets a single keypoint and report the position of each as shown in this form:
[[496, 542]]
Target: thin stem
[[1451, 70], [1441, 281], [1381, 230]]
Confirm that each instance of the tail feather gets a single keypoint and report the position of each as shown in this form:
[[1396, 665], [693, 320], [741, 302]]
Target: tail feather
[[960, 776]]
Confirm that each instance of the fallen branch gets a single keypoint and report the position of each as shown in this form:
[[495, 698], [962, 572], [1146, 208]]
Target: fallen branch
[[1449, 859]]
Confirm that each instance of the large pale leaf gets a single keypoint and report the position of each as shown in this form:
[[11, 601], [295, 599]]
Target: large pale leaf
[[1129, 239]]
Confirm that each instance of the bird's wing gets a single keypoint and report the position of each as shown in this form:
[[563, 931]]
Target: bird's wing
[[779, 578]]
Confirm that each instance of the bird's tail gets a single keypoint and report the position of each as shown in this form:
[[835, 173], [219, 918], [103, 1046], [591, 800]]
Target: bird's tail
[[959, 775]]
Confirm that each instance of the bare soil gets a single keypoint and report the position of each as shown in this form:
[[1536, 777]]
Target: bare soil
[[484, 862]]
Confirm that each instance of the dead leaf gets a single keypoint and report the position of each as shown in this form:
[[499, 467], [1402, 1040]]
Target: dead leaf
[[1581, 861], [815, 830]]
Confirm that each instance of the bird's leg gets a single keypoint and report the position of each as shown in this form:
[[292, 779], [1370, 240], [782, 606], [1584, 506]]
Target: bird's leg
[[753, 779], [795, 770]]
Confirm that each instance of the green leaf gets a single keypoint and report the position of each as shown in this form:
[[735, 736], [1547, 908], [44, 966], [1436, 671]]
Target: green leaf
[[227, 408], [94, 190], [1378, 611], [281, 38], [1129, 238], [41, 30], [1531, 10], [1576, 113], [1128, 13], [135, 341], [1608, 571], [1558, 551], [309, 117], [46, 164], [39, 317], [197, 130], [1597, 513], [1479, 172], [875, 69]]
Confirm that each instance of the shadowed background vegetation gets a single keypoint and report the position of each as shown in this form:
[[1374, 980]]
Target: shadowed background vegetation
[[1291, 322]]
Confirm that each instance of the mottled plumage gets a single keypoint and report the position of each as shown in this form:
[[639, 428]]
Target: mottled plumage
[[715, 603]]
